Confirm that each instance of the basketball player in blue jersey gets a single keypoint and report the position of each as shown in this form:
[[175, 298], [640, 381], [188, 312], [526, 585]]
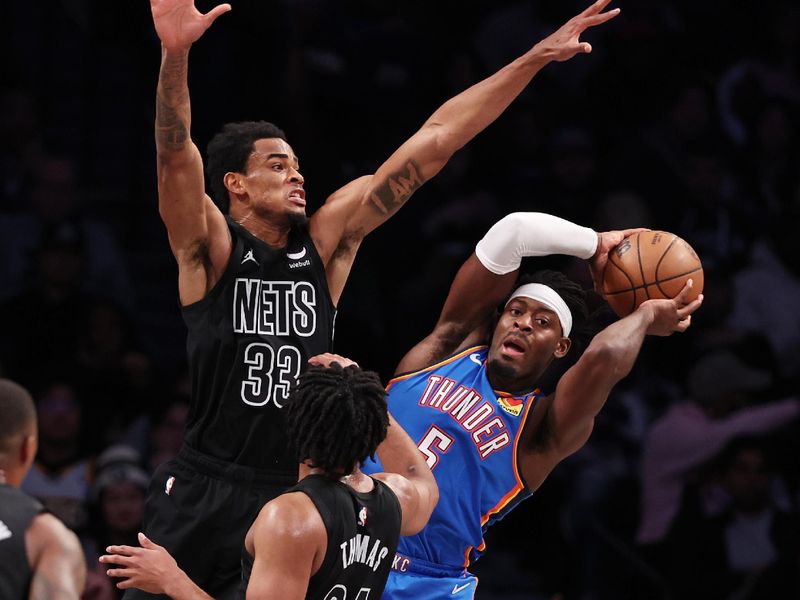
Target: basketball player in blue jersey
[[468, 394], [258, 282]]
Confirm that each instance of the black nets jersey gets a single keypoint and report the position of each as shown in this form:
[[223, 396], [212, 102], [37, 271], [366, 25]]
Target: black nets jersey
[[17, 510], [363, 530], [248, 341]]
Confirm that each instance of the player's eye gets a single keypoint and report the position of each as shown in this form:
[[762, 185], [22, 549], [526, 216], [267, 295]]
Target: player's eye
[[542, 322], [515, 312], [277, 167]]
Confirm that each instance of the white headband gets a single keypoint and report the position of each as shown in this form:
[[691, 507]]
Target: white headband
[[550, 298]]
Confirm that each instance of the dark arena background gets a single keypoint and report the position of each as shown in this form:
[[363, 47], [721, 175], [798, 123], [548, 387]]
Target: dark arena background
[[684, 118]]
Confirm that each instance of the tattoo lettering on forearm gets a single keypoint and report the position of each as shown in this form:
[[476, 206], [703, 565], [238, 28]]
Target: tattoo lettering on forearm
[[172, 104], [391, 194]]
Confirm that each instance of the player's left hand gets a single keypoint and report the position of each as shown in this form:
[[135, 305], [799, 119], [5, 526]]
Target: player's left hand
[[608, 240], [149, 568], [327, 358], [565, 43], [670, 315]]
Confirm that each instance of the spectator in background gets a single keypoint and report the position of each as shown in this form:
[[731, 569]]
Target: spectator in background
[[61, 474], [748, 551], [767, 292], [55, 199], [692, 433], [117, 504], [166, 435], [41, 324]]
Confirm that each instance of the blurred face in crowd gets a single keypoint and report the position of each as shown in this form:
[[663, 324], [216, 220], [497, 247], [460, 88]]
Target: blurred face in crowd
[[747, 480], [122, 504], [59, 415]]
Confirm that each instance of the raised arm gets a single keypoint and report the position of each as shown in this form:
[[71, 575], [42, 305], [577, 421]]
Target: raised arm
[[583, 390], [489, 275], [56, 559], [354, 211], [197, 231]]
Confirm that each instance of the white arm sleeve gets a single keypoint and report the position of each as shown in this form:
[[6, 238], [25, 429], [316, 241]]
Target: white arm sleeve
[[532, 234]]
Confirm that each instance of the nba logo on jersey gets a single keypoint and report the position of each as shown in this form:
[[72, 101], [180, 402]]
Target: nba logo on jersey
[[170, 483], [362, 516], [512, 406]]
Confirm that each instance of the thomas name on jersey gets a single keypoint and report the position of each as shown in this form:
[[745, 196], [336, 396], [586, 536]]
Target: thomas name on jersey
[[360, 549], [274, 307], [488, 431]]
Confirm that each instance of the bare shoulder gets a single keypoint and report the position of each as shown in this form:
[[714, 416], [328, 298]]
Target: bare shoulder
[[290, 517]]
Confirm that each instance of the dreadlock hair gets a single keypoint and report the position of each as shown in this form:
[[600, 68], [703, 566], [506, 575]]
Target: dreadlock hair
[[228, 152], [336, 417]]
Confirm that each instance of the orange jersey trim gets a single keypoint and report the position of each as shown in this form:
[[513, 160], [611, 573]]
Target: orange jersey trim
[[513, 493], [434, 366]]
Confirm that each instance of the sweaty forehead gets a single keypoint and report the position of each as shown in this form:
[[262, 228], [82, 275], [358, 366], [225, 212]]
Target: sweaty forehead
[[264, 147]]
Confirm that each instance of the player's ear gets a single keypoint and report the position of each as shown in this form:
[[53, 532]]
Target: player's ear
[[233, 181], [562, 347]]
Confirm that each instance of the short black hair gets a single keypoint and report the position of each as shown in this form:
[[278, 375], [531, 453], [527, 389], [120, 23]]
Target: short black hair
[[17, 412], [228, 152], [336, 417]]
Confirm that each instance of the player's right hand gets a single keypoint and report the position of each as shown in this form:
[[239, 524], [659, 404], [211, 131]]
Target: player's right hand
[[672, 314], [565, 43], [179, 24], [606, 242]]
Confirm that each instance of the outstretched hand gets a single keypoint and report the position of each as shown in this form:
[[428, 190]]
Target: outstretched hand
[[607, 241], [149, 568], [179, 24], [566, 42], [673, 314]]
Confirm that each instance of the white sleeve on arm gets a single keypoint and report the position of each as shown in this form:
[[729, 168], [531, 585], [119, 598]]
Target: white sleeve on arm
[[532, 234]]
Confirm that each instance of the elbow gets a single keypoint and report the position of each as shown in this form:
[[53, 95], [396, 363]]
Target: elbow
[[441, 139]]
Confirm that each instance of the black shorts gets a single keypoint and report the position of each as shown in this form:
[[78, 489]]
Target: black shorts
[[200, 508]]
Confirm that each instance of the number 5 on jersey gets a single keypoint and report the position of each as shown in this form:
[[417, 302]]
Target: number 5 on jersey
[[435, 439]]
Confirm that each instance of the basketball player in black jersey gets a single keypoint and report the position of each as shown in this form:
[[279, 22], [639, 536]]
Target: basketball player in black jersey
[[334, 534], [258, 283], [40, 559]]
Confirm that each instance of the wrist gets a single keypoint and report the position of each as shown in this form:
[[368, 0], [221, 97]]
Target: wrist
[[179, 586]]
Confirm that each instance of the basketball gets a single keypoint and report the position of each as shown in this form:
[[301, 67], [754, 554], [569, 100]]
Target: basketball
[[648, 265]]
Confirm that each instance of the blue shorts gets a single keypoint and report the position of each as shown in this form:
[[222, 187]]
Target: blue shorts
[[412, 579]]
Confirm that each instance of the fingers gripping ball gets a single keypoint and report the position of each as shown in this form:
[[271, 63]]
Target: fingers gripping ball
[[650, 264]]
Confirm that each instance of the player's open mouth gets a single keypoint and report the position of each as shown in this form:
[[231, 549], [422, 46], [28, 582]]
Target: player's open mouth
[[512, 348], [298, 197]]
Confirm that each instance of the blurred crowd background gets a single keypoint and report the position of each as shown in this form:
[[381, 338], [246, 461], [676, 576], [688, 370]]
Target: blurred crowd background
[[684, 118]]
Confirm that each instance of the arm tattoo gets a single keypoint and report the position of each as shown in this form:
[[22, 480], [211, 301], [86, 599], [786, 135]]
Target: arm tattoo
[[172, 103], [392, 193]]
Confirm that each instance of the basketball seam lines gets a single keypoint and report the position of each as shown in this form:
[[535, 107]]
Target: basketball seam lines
[[641, 268], [628, 277], [638, 287], [658, 264]]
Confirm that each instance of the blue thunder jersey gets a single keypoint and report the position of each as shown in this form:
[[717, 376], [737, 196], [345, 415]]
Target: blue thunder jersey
[[469, 433]]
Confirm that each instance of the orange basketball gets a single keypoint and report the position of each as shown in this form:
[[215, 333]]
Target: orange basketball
[[651, 264]]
